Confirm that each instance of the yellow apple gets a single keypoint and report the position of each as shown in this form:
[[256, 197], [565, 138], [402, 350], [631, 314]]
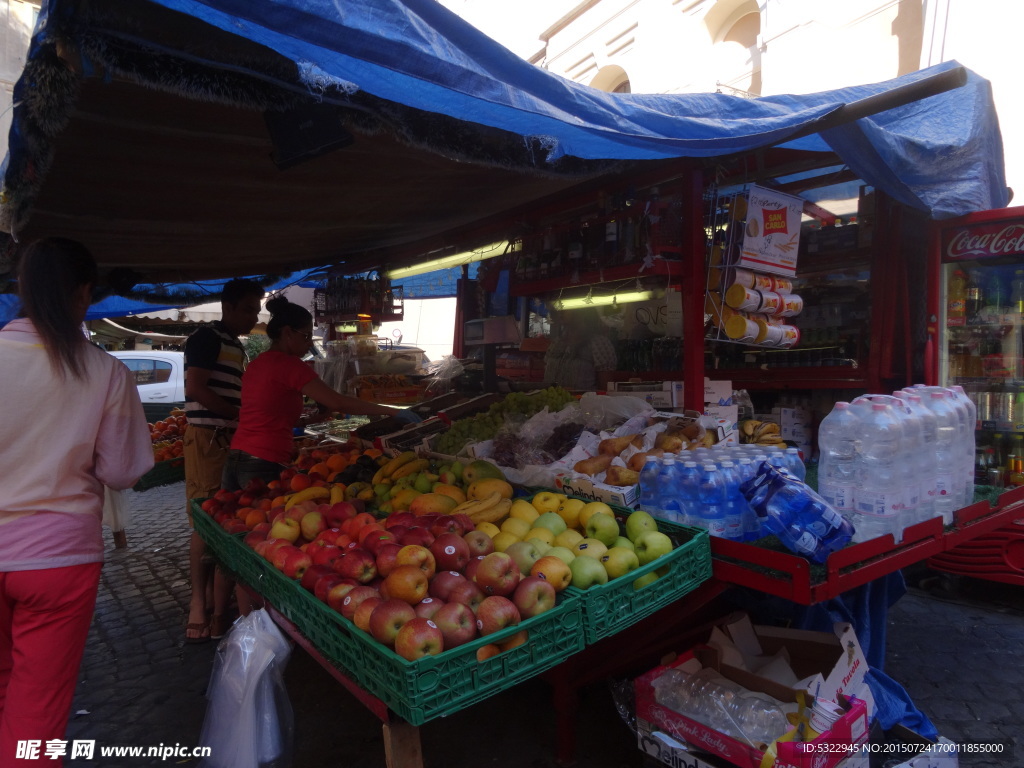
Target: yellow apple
[[589, 548], [562, 553], [646, 579], [489, 528], [569, 510], [544, 534], [504, 540], [568, 538], [515, 526], [547, 501], [542, 546], [619, 561], [524, 510], [593, 508]]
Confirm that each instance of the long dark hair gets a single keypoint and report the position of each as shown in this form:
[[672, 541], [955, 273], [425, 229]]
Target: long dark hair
[[51, 271], [283, 313]]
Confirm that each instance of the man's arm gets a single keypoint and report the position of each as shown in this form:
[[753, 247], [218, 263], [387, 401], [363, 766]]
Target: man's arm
[[197, 388]]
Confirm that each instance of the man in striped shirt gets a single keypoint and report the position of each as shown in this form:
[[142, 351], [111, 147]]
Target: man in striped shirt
[[214, 361]]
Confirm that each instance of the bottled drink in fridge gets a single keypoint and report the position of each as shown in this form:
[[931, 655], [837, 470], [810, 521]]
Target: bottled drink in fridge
[[712, 500], [956, 300], [837, 457], [879, 493], [1017, 292], [650, 498], [802, 520], [668, 490]]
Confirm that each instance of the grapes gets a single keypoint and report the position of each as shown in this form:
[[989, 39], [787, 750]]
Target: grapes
[[516, 406]]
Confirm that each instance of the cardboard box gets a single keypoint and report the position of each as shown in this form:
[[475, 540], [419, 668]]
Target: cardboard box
[[717, 392], [582, 486], [850, 729]]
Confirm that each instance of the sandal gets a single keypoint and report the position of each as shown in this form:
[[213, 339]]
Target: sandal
[[203, 628], [219, 626]]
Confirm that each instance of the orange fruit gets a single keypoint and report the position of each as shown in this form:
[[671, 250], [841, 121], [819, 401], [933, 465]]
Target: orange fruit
[[336, 462], [300, 482]]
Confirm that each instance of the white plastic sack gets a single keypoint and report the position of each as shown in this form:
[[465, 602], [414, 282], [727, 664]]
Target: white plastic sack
[[249, 721], [116, 510]]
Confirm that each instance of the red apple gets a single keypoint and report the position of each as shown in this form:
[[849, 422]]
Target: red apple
[[223, 496], [235, 526], [446, 524], [338, 513], [421, 557], [498, 574], [313, 574], [457, 624], [389, 617], [470, 570], [336, 595], [285, 528], [407, 519], [480, 543], [353, 598], [418, 535], [495, 613], [534, 596], [375, 539], [443, 582], [324, 584], [329, 536], [398, 531], [428, 606], [465, 521], [467, 593], [296, 513], [357, 564], [325, 555], [254, 537], [417, 638], [296, 564], [385, 557], [450, 551], [361, 618], [279, 554]]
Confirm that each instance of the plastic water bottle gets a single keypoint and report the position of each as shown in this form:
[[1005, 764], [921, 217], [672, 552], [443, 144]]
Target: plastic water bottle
[[923, 460], [712, 499], [795, 464], [734, 502], [911, 447], [669, 501], [689, 493], [751, 523], [879, 494], [948, 479], [969, 439], [837, 458], [802, 520], [650, 498]]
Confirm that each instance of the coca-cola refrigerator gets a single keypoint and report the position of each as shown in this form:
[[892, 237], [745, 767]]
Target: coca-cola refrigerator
[[976, 334]]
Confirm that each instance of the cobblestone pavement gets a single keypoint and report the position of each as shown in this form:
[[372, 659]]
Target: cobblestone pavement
[[952, 643]]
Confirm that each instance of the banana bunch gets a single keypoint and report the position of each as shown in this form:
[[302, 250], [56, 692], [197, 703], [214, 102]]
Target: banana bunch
[[487, 510], [403, 464], [760, 432]]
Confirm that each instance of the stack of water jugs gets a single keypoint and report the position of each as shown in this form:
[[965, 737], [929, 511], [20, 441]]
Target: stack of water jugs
[[889, 461], [702, 487]]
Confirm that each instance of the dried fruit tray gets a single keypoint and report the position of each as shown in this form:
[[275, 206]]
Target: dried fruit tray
[[162, 473], [610, 608], [421, 690], [795, 578]]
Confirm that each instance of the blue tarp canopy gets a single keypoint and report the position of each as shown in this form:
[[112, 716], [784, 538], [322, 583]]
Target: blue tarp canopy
[[144, 128]]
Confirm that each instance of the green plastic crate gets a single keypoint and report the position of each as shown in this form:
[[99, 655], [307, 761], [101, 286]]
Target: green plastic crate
[[610, 608], [420, 690], [162, 473]]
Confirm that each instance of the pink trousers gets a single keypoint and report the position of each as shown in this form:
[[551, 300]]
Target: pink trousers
[[44, 622]]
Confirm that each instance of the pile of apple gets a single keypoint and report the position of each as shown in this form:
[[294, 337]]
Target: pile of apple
[[569, 540]]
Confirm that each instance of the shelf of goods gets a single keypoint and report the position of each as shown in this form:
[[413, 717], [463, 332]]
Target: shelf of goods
[[794, 578], [435, 686]]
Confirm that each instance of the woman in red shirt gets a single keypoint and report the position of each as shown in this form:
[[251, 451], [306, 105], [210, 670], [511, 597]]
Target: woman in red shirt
[[272, 390]]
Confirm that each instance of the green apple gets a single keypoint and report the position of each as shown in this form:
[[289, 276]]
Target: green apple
[[604, 528], [586, 572], [590, 548], [524, 554], [622, 541], [618, 561], [639, 522], [552, 521], [456, 469], [563, 554], [425, 482], [542, 546], [651, 545], [646, 579]]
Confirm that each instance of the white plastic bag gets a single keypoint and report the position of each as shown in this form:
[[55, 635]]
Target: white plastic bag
[[249, 721], [116, 511]]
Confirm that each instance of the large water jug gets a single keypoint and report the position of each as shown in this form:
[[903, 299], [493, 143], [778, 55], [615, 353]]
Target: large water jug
[[650, 493], [948, 478], [879, 493], [969, 442], [712, 499], [923, 460], [802, 520], [910, 449], [837, 458]]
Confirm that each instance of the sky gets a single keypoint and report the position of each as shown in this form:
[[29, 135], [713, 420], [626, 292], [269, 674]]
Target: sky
[[516, 24]]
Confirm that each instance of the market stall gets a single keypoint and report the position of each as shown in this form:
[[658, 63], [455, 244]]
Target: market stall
[[394, 134]]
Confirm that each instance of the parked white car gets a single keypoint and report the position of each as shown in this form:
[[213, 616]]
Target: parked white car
[[160, 376]]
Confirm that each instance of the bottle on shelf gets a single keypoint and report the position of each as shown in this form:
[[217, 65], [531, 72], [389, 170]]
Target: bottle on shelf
[[879, 490], [923, 460], [975, 298], [668, 490], [713, 500], [948, 479], [1017, 292], [689, 493], [956, 298], [650, 500], [734, 501]]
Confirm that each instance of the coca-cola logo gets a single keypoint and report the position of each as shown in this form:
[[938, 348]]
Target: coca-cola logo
[[1000, 239]]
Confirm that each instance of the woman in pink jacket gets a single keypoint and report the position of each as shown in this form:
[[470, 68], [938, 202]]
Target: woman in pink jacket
[[71, 423]]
